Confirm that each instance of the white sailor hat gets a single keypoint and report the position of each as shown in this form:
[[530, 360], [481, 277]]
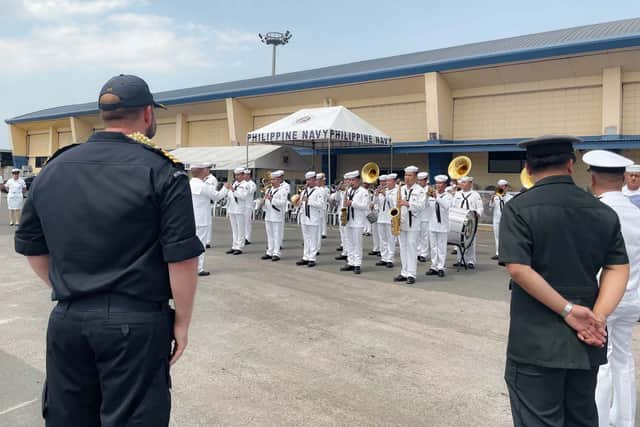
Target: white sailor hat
[[465, 179], [247, 171], [310, 175], [320, 175], [392, 176], [238, 171], [411, 169], [503, 182], [633, 169], [277, 174], [200, 165], [15, 170], [383, 178], [423, 175], [352, 174], [441, 178], [606, 161]]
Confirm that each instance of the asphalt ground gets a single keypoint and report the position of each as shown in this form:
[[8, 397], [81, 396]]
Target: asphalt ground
[[277, 344]]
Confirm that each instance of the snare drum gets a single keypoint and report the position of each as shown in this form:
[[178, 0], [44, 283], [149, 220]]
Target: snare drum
[[463, 225]]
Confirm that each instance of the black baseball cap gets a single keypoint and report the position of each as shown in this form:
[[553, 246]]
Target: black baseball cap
[[132, 91], [549, 144]]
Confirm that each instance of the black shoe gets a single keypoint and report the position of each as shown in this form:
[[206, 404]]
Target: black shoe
[[356, 270], [230, 251], [374, 253], [440, 273], [339, 249], [502, 264], [341, 257], [324, 237], [311, 264], [237, 252], [422, 259], [389, 265], [470, 266], [266, 257], [317, 253], [457, 264], [347, 268], [275, 258], [246, 242], [302, 262], [208, 246], [411, 280], [400, 278], [203, 273], [381, 263], [431, 272], [495, 257], [454, 252]]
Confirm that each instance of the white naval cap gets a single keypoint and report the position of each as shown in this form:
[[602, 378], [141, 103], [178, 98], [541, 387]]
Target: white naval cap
[[465, 179], [310, 175], [247, 171], [633, 169], [201, 165], [606, 161], [277, 174], [15, 170], [320, 175], [423, 175], [383, 178], [352, 174], [238, 171], [441, 178], [392, 176], [411, 169], [503, 182]]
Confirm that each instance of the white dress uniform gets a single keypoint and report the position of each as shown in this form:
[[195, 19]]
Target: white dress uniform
[[274, 211], [497, 204], [338, 197], [211, 180], [311, 214], [439, 229], [410, 228], [202, 194], [357, 217], [628, 193], [386, 202], [250, 206], [15, 196], [237, 212], [322, 229], [425, 217], [375, 235], [470, 201]]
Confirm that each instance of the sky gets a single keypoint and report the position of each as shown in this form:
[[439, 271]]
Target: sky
[[60, 52]]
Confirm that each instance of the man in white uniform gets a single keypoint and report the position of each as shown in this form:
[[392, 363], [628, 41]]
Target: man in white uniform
[[469, 200], [250, 206], [16, 187], [439, 226], [497, 204], [202, 194], [631, 180], [386, 200], [375, 235], [338, 198], [237, 196], [213, 181], [412, 202], [322, 184], [357, 204], [423, 239], [310, 215], [617, 378], [275, 205]]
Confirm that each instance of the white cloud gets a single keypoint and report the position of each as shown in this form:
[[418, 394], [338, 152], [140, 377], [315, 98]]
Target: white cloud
[[57, 9]]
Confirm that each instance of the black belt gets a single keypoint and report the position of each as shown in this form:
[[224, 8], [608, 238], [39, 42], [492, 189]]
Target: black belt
[[112, 302]]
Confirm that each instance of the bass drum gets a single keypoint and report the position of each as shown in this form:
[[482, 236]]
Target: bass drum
[[463, 225]]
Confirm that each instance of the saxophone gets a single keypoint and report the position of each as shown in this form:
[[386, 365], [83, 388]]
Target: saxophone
[[344, 211], [395, 214]]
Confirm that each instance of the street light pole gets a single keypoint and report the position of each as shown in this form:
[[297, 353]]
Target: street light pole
[[275, 40]]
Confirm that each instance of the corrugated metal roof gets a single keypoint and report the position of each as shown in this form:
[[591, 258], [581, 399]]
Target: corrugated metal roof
[[588, 38]]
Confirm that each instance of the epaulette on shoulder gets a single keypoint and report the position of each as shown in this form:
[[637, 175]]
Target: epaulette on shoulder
[[60, 151], [149, 145]]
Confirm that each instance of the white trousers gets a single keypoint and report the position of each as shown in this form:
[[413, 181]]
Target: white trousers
[[209, 232], [387, 242], [310, 234], [323, 229], [248, 227], [274, 237], [354, 250], [409, 253], [423, 239], [616, 389], [343, 239], [496, 234], [376, 237], [201, 232], [438, 249], [319, 239], [470, 253], [238, 224], [367, 227]]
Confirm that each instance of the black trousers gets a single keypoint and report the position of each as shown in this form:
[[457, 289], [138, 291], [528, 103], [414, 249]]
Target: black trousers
[[108, 363], [551, 397]]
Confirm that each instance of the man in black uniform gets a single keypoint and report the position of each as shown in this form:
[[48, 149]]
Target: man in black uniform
[[554, 239], [109, 227]]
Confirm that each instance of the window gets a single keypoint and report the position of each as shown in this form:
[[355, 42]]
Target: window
[[40, 161], [506, 161]]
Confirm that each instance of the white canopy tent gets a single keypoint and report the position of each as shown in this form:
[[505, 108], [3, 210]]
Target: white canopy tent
[[254, 157], [321, 128]]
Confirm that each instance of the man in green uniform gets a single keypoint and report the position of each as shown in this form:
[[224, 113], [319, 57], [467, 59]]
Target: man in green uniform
[[554, 239]]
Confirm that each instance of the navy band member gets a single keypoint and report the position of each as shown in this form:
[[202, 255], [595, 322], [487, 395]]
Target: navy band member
[[122, 245], [275, 206], [357, 204], [631, 181], [238, 195], [469, 199], [497, 203], [554, 238], [250, 206], [338, 198], [310, 215], [616, 390], [423, 238], [439, 226]]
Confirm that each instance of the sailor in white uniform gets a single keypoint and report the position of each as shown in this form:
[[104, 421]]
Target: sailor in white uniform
[[213, 181], [386, 201], [16, 187], [470, 200], [497, 204], [439, 226], [250, 206], [310, 216], [631, 181], [412, 202], [237, 197], [423, 239], [375, 235], [616, 388], [324, 191], [338, 199], [274, 206], [357, 204]]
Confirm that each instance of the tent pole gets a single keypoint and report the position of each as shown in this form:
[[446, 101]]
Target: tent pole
[[247, 155], [329, 180], [391, 158], [313, 156]]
